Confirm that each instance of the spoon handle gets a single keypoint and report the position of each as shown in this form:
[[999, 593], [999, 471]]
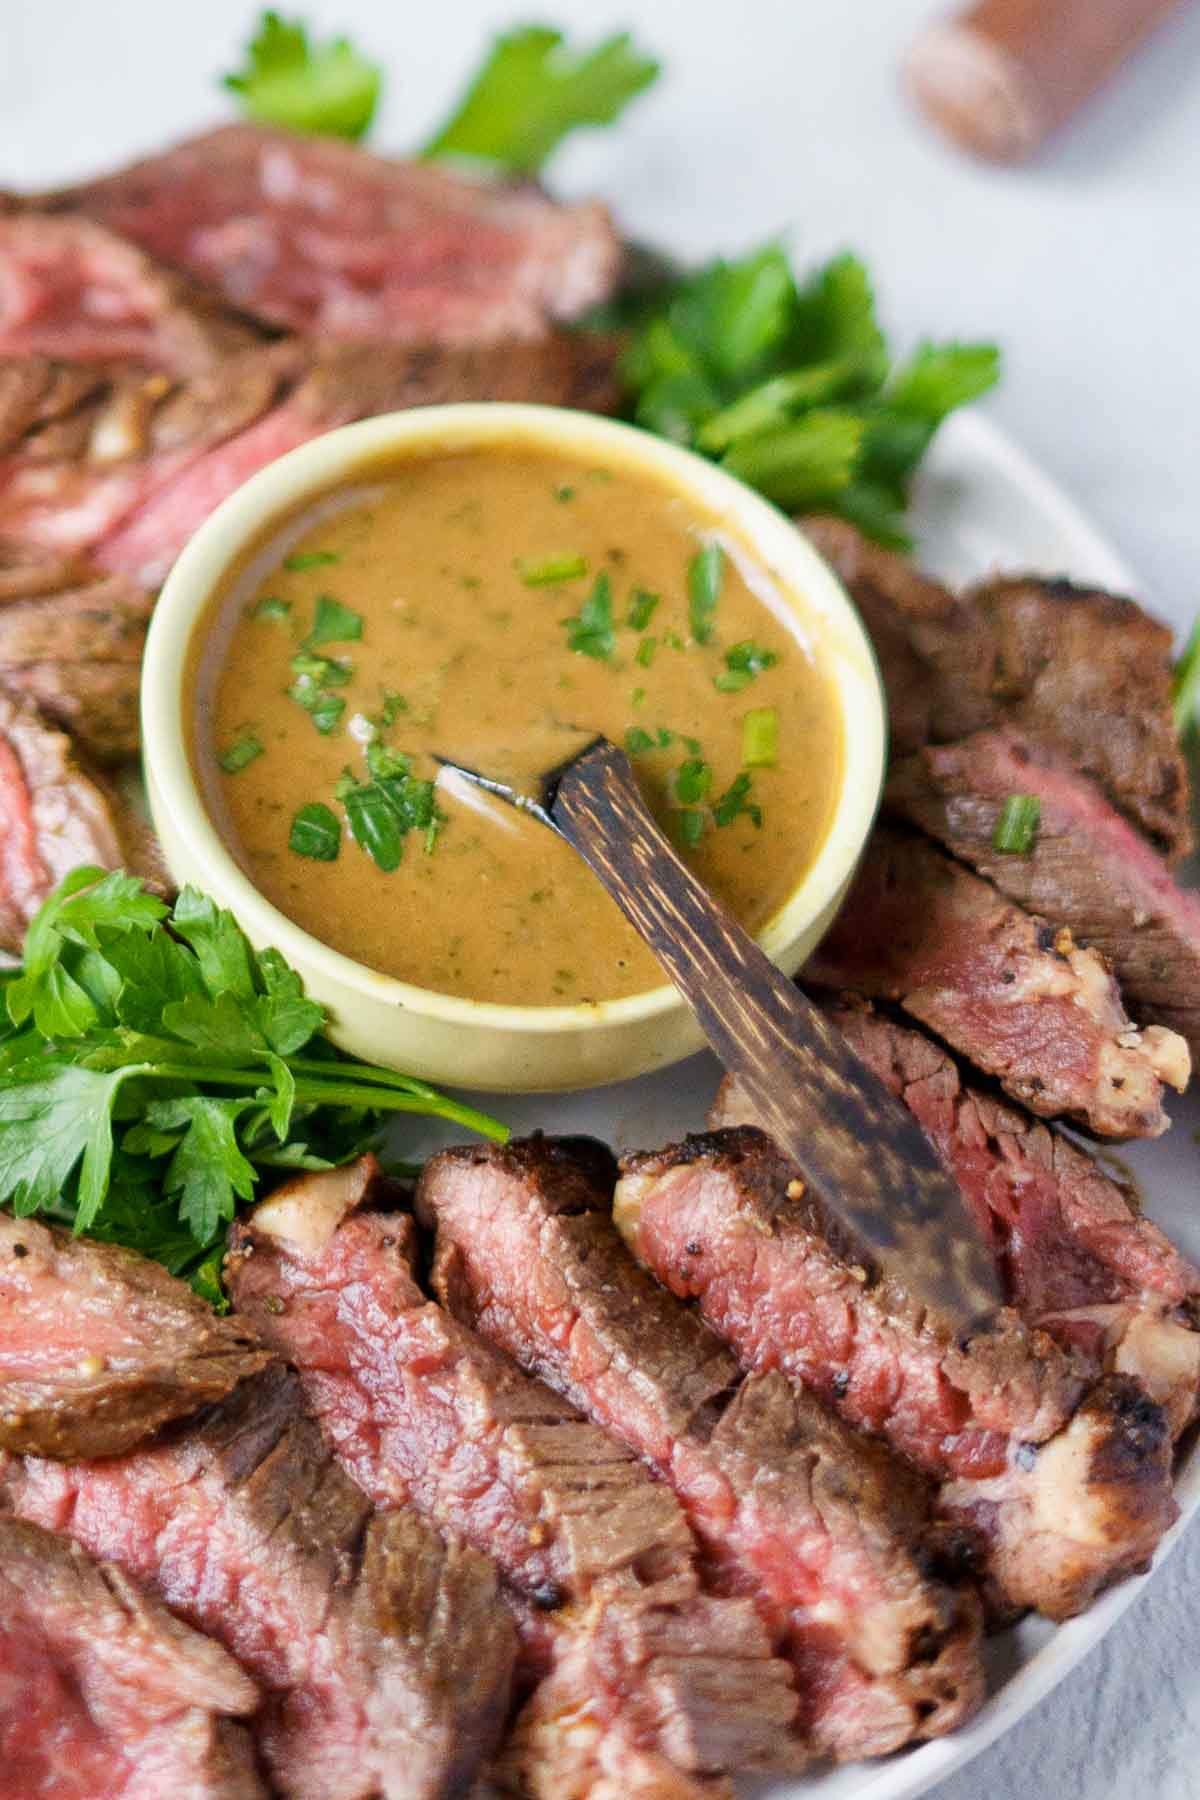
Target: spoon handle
[[872, 1170]]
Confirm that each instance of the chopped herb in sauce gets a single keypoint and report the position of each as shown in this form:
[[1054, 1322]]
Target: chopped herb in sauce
[[706, 572], [310, 559], [1018, 825], [645, 652], [244, 750], [642, 607], [760, 738], [381, 812], [638, 741], [564, 492], [735, 803], [673, 641], [690, 825], [315, 676], [637, 696], [333, 624], [547, 570], [742, 664], [590, 632], [316, 833], [271, 607], [393, 705], [693, 779]]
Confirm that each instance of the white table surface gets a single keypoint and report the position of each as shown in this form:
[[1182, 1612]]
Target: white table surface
[[786, 115]]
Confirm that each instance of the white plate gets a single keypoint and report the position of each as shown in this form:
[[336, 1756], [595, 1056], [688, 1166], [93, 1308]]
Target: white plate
[[982, 505]]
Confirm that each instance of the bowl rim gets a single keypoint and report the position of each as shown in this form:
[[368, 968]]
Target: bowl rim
[[316, 466]]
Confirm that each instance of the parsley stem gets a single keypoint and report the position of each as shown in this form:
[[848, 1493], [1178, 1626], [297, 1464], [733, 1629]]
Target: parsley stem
[[357, 1090]]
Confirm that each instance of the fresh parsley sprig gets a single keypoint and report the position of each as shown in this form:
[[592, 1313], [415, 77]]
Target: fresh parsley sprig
[[155, 1070]]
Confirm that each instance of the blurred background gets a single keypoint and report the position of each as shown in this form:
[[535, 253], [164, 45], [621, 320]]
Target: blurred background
[[789, 116]]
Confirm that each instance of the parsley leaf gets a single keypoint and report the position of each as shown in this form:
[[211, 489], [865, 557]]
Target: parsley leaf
[[742, 664], [333, 624], [380, 813], [533, 89], [289, 81], [590, 632], [316, 833], [244, 750], [736, 802], [310, 559]]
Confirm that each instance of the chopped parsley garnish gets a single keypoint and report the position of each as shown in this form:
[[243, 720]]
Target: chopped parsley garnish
[[315, 676], [689, 824], [533, 89], [745, 661], [271, 607], [244, 750], [547, 570], [328, 88], [564, 492], [590, 632], [316, 833], [735, 803], [381, 812], [792, 386], [642, 607], [706, 572], [638, 741], [1018, 825], [156, 1072], [646, 652], [310, 559], [1186, 685], [393, 706], [333, 623], [692, 781], [637, 696], [760, 738]]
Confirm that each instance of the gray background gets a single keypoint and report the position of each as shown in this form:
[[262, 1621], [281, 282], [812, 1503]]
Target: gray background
[[786, 116]]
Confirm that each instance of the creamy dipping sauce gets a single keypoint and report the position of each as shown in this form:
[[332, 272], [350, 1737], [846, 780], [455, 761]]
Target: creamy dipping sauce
[[499, 609]]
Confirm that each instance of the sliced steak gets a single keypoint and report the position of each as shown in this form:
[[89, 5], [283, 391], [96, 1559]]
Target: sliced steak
[[1087, 868], [723, 1220], [72, 290], [1086, 672], [383, 1652], [328, 239], [1077, 1258], [1016, 996], [423, 1412], [103, 1693], [127, 471], [56, 815], [99, 1347], [790, 1506]]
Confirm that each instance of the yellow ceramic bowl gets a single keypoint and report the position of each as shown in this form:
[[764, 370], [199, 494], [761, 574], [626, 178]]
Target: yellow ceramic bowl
[[441, 1037]]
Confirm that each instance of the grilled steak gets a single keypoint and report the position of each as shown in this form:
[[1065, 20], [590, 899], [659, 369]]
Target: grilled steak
[[55, 816], [1077, 1258], [421, 1411], [102, 1692], [126, 470], [384, 1653], [325, 238], [1086, 867], [99, 1347], [723, 1220], [72, 290], [790, 1506], [1017, 997], [1086, 672]]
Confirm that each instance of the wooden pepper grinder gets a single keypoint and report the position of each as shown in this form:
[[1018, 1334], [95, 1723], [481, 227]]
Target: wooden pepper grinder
[[1004, 74]]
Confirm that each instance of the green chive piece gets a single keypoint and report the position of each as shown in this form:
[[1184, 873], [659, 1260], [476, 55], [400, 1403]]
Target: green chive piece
[[334, 623], [742, 664], [645, 652], [244, 750], [316, 833], [693, 779], [664, 738], [642, 607], [271, 607], [732, 681], [637, 696], [590, 632], [545, 571], [1017, 827], [689, 824], [706, 572], [310, 559], [760, 738], [637, 741], [735, 803]]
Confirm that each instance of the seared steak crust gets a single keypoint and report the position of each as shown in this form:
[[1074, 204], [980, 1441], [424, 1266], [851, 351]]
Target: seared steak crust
[[1087, 869], [720, 1219], [422, 1411], [789, 1505], [102, 1692], [384, 1653], [1086, 672], [1016, 996], [323, 237]]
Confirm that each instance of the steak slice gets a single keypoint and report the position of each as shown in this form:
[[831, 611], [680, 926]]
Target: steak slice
[[1086, 868], [72, 290], [325, 238], [1086, 672], [57, 815], [723, 1220], [1077, 1258], [1016, 996], [790, 1506], [423, 1412], [102, 1692], [99, 1347], [383, 1652]]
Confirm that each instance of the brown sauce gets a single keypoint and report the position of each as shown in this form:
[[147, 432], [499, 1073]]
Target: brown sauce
[[503, 606]]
